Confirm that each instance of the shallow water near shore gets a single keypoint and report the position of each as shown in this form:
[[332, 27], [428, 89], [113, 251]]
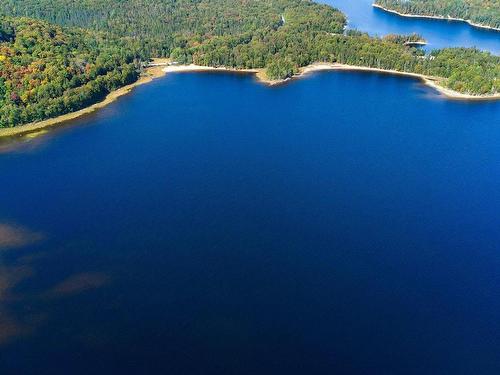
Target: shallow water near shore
[[207, 224], [438, 33]]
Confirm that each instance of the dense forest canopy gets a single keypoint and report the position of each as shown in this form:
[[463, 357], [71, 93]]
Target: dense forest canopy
[[47, 70], [483, 12], [166, 24]]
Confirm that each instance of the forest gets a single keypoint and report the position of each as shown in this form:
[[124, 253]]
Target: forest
[[482, 12], [166, 24], [46, 70], [83, 50]]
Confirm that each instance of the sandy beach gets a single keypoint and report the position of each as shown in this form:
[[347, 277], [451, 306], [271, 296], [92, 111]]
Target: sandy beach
[[435, 18], [429, 81], [260, 75], [160, 67]]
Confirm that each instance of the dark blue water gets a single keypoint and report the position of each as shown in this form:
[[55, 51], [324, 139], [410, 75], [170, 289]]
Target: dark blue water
[[346, 223], [438, 33]]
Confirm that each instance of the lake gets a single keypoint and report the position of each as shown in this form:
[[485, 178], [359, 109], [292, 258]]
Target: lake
[[206, 224], [438, 33]]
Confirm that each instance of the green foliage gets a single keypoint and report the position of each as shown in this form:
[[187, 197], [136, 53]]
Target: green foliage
[[480, 77], [46, 71], [162, 25], [281, 68], [483, 12], [412, 38]]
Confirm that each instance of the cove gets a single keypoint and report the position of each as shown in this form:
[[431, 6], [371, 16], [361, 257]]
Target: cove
[[207, 224], [438, 33]]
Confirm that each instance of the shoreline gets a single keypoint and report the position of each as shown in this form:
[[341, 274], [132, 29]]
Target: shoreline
[[315, 67], [159, 69], [41, 126], [432, 82], [443, 18], [259, 73]]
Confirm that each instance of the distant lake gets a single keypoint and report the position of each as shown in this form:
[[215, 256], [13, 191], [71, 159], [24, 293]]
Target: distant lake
[[347, 223], [438, 33]]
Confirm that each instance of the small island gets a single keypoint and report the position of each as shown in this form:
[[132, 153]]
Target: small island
[[72, 62]]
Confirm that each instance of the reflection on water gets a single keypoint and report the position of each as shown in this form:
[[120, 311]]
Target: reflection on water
[[34, 141], [22, 143]]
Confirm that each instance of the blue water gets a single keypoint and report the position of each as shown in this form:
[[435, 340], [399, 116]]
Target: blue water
[[438, 33], [346, 223]]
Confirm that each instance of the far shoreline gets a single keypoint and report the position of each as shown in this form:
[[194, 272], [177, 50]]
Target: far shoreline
[[315, 67], [159, 69], [442, 18], [430, 81]]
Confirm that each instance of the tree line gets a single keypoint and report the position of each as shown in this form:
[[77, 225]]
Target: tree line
[[47, 69], [483, 12]]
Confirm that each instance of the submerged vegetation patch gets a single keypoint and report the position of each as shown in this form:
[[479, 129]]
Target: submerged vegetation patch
[[12, 236]]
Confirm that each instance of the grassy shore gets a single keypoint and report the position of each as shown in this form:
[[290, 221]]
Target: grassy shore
[[36, 127], [161, 68], [478, 25]]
